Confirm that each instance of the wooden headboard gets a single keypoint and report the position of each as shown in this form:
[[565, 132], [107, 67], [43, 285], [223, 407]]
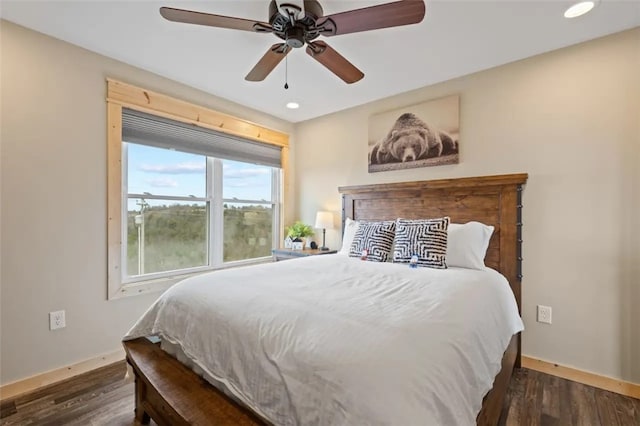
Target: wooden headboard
[[493, 200]]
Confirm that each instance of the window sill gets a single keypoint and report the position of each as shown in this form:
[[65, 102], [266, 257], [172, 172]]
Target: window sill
[[155, 285]]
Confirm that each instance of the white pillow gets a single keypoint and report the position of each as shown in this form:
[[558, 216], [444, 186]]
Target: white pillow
[[350, 228], [467, 244]]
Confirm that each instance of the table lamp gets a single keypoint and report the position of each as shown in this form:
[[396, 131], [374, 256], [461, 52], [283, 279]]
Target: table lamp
[[324, 221]]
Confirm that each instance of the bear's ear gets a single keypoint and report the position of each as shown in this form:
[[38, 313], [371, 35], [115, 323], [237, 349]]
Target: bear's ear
[[383, 144], [423, 133], [393, 136]]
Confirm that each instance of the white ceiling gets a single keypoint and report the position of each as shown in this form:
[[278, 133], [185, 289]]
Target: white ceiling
[[455, 38]]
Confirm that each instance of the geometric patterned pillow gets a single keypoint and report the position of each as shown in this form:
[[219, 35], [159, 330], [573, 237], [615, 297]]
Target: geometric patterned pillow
[[376, 238], [426, 238]]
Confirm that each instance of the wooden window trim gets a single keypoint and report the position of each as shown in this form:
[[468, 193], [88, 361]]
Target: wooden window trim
[[122, 95]]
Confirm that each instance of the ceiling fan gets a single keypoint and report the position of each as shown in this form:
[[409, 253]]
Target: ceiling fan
[[299, 26]]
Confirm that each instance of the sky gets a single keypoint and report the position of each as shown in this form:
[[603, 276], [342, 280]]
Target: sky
[[165, 172]]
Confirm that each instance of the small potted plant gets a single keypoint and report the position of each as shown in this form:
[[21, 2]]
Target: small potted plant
[[299, 231]]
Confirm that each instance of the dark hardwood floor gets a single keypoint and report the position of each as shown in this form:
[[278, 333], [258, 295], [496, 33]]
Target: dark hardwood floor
[[102, 397], [540, 399]]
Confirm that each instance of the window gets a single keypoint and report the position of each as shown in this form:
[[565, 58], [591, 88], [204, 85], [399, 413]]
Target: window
[[167, 211], [250, 210], [189, 190], [188, 212]]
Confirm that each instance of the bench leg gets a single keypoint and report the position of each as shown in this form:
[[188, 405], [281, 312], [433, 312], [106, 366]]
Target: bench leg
[[142, 417]]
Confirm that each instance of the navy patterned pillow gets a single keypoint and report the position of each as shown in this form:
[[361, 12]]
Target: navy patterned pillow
[[425, 238], [376, 238]]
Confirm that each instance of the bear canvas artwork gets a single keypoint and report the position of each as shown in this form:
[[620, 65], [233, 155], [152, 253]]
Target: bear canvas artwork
[[420, 135]]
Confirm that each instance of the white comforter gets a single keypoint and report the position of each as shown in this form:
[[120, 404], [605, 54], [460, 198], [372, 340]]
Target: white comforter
[[332, 340]]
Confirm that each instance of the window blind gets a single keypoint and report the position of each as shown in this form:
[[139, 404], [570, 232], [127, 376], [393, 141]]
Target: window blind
[[147, 129]]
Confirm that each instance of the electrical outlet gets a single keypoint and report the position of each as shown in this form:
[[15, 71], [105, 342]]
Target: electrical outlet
[[544, 314], [56, 320]]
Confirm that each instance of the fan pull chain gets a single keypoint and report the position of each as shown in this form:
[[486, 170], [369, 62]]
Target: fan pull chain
[[286, 72]]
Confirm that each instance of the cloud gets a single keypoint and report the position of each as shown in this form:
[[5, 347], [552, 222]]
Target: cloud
[[174, 169], [245, 173], [162, 182], [237, 185]]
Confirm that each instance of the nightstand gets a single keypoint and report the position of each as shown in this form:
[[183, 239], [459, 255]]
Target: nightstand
[[285, 254]]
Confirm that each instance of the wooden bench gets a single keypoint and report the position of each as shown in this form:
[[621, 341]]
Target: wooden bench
[[171, 394]]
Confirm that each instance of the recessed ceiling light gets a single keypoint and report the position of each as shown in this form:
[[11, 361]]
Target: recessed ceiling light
[[293, 105], [579, 9]]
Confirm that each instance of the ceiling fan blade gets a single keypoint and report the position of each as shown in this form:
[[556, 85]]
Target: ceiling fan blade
[[386, 15], [335, 62], [199, 18], [268, 62]]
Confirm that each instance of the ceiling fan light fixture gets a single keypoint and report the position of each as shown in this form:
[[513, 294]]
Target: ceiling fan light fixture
[[579, 9], [295, 37], [293, 105]]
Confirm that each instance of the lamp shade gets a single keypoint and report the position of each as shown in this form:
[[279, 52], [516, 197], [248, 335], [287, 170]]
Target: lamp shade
[[324, 220]]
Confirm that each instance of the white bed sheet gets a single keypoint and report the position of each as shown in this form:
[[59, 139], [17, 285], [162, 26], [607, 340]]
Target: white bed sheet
[[333, 340]]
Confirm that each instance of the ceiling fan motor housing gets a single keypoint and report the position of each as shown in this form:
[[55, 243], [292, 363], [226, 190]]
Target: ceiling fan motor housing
[[295, 28]]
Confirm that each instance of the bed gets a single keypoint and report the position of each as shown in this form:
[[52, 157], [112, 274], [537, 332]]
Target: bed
[[335, 340]]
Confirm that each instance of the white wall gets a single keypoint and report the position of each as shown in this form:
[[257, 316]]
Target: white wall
[[569, 118], [54, 212]]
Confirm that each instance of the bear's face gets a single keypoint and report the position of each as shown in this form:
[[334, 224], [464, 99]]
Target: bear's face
[[408, 145]]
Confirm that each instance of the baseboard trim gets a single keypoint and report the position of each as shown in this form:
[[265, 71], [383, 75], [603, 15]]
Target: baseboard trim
[[584, 377], [11, 390], [29, 384]]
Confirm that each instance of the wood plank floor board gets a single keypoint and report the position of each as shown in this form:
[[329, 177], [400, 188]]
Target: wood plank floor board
[[514, 401], [533, 401], [99, 410], [68, 397], [82, 410], [23, 416], [7, 408], [97, 386], [551, 397], [583, 404], [103, 397], [606, 406], [627, 409], [566, 402]]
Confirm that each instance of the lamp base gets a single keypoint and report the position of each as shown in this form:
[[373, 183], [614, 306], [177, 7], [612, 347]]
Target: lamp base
[[323, 248]]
